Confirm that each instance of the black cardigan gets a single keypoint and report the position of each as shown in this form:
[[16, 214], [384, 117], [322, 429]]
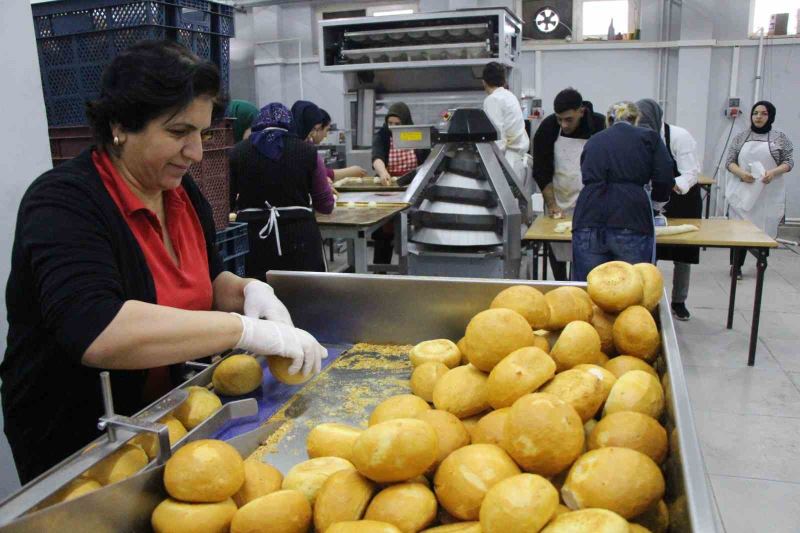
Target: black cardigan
[[74, 263], [380, 147]]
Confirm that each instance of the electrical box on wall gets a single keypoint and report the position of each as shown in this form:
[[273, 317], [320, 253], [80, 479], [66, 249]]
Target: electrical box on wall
[[733, 110], [547, 19]]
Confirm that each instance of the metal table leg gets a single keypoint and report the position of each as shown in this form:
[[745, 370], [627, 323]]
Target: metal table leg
[[534, 260], [708, 200], [351, 254], [761, 266], [545, 258], [732, 301], [360, 246]]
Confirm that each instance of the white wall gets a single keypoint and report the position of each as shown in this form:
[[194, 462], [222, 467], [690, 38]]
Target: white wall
[[24, 152]]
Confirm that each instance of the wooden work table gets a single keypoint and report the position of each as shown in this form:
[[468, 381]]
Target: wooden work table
[[737, 235]]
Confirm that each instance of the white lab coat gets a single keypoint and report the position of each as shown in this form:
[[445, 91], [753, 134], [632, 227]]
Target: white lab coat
[[505, 112], [684, 150]]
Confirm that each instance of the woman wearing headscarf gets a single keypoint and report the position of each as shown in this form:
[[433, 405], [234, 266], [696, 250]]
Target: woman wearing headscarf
[[684, 202], [389, 161], [334, 174], [244, 112], [280, 187], [761, 146]]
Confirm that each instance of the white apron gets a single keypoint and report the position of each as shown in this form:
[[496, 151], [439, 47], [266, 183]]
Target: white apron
[[567, 183], [769, 208]]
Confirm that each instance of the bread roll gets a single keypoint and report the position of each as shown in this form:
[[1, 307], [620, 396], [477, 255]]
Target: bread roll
[[636, 391], [527, 301], [543, 434], [121, 464], [439, 350], [343, 497], [400, 406], [331, 440], [588, 520], [471, 423], [172, 516], [615, 286], [464, 477], [237, 375], [491, 427], [200, 404], [148, 441], [606, 377], [635, 333], [636, 528], [409, 506], [603, 323], [450, 433], [396, 450], [652, 284], [493, 334], [458, 527], [629, 429], [625, 363], [204, 471], [362, 526], [519, 504], [308, 476], [541, 342], [260, 479], [521, 372], [561, 509], [279, 368], [462, 347], [424, 378], [284, 511], [580, 389], [461, 391], [588, 427], [565, 307], [578, 344], [74, 489], [655, 518], [618, 479]]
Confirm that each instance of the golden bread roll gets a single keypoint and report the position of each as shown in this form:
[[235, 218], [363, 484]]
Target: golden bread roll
[[400, 406], [343, 497], [396, 450], [578, 344], [471, 424], [461, 391], [606, 377], [204, 471], [629, 429], [561, 509], [636, 528], [588, 520], [565, 307], [120, 465], [655, 518], [308, 476], [614, 286], [424, 378], [331, 440], [618, 479], [173, 516], [148, 441], [458, 527], [437, 350], [491, 427], [580, 389], [493, 334], [652, 284], [409, 506], [603, 323], [527, 301], [543, 434], [462, 347], [260, 479], [464, 477], [541, 342], [521, 372], [362, 526], [284, 511], [74, 489], [588, 427], [450, 433], [237, 375], [518, 504], [636, 391], [279, 368], [625, 363], [635, 333], [200, 404]]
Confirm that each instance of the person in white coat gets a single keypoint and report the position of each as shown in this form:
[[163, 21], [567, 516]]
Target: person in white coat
[[505, 112], [685, 201], [765, 154]]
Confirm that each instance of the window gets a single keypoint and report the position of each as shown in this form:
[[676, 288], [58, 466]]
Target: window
[[761, 12], [596, 17]]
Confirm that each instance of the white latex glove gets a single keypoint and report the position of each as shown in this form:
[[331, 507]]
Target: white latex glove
[[268, 337], [260, 302]]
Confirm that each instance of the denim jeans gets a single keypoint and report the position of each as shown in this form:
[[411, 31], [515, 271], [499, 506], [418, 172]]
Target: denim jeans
[[594, 246]]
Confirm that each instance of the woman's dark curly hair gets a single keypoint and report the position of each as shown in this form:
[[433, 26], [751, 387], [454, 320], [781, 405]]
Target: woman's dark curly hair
[[147, 80]]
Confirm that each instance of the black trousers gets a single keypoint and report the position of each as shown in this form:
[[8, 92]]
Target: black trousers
[[384, 244]]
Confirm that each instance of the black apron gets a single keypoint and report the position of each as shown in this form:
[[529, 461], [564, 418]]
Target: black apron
[[689, 205]]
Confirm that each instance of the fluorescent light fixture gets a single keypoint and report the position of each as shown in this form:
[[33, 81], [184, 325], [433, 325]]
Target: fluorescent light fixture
[[393, 12]]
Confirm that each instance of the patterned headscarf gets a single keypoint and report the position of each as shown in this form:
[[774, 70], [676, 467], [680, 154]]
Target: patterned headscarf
[[771, 117], [269, 128]]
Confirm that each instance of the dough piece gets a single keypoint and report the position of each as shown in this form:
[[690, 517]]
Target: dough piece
[[579, 343], [458, 527], [149, 441], [580, 389], [491, 427], [594, 520], [518, 504], [284, 511], [629, 429], [237, 375], [450, 432], [362, 526], [493, 334], [635, 333], [400, 406], [540, 341], [120, 465], [606, 377], [461, 391], [438, 350], [173, 516], [308, 476], [409, 506], [74, 489], [343, 497], [625, 363], [331, 440], [521, 372], [396, 450], [204, 471], [527, 301], [200, 404], [615, 286], [462, 347], [260, 479], [565, 307], [604, 324], [652, 284], [636, 391], [279, 368], [424, 378]]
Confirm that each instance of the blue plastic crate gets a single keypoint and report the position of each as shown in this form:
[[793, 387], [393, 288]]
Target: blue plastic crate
[[235, 264], [233, 241]]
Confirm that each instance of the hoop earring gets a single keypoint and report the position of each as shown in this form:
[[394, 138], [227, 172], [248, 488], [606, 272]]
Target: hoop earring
[[116, 141]]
